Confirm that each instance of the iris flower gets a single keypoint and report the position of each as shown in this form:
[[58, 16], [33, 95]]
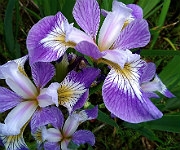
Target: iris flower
[[27, 100], [24, 98], [59, 135], [122, 29]]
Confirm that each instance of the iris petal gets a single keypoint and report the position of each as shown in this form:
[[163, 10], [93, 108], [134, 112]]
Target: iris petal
[[83, 136], [87, 15], [51, 135], [8, 99], [123, 96], [17, 118], [42, 73], [46, 41], [14, 142], [69, 93], [134, 35], [137, 11], [17, 81], [112, 25]]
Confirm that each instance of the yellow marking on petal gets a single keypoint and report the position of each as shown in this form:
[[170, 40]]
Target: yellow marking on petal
[[21, 69], [14, 141], [62, 39], [69, 92], [126, 71], [64, 94]]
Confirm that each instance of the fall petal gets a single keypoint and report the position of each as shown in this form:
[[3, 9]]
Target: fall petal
[[124, 98], [46, 39], [83, 136], [8, 99]]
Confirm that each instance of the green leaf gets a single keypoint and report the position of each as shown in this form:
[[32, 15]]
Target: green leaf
[[170, 123], [159, 53], [161, 21], [67, 10], [8, 30], [106, 119], [170, 75], [148, 6]]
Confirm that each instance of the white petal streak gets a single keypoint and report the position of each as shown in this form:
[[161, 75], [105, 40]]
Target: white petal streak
[[51, 135], [112, 26], [17, 81], [19, 116], [56, 38], [73, 121], [69, 93], [127, 79]]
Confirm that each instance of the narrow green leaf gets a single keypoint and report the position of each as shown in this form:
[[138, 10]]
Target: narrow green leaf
[[170, 75], [143, 130], [106, 119], [154, 10], [32, 13], [170, 123], [67, 10], [8, 30], [161, 20], [159, 53]]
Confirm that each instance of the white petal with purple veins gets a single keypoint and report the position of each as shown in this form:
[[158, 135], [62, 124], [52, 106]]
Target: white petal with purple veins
[[17, 118], [18, 82], [123, 96]]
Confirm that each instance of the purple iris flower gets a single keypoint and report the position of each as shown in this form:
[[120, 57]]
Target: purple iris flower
[[27, 100], [24, 98], [59, 135], [123, 29]]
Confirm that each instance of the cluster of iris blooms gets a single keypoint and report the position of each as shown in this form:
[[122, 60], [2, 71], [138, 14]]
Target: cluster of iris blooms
[[126, 90]]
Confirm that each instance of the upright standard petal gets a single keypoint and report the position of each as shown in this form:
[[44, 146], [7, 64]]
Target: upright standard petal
[[87, 15], [134, 35], [52, 135], [18, 81], [42, 73], [17, 118], [8, 99], [123, 96], [137, 11], [46, 40], [20, 64], [113, 25], [83, 136], [76, 118]]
